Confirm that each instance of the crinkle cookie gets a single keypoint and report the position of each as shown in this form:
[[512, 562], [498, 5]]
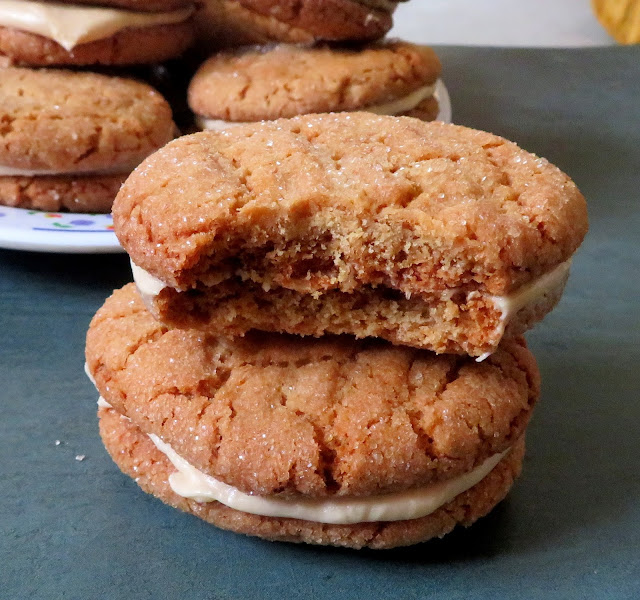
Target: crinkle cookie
[[266, 83], [424, 234], [120, 32], [68, 140], [332, 441], [295, 21]]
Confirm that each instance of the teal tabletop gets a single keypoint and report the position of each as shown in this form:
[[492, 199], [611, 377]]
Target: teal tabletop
[[72, 526]]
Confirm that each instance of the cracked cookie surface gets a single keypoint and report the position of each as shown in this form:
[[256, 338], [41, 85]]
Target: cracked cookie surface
[[136, 456], [272, 414], [71, 122], [438, 216], [268, 83], [295, 21]]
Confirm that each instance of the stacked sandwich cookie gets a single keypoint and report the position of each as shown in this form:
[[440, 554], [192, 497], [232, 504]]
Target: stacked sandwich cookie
[[68, 139], [236, 22], [299, 359], [83, 32], [262, 84], [311, 57]]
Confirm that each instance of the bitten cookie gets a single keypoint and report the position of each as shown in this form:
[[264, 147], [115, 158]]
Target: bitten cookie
[[261, 21], [425, 234], [121, 33], [262, 83], [68, 140], [331, 441]]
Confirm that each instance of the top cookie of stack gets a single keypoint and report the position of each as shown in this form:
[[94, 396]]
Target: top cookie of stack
[[100, 32], [425, 234], [237, 22]]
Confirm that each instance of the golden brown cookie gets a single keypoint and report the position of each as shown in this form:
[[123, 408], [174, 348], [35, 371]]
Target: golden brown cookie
[[45, 34], [54, 193], [265, 83], [425, 234], [68, 140], [137, 457], [301, 421], [261, 21]]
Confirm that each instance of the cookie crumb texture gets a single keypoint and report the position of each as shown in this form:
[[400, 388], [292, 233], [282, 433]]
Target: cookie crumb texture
[[315, 20], [136, 456], [71, 122], [285, 81], [273, 414], [132, 46], [339, 207]]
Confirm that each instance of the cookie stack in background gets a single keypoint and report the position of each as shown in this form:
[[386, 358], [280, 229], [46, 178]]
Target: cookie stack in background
[[68, 139], [313, 57], [324, 343]]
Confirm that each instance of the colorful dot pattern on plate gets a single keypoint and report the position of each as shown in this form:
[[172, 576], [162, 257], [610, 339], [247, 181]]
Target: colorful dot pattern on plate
[[56, 231]]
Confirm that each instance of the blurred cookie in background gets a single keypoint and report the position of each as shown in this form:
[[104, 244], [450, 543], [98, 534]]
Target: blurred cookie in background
[[70, 139], [271, 82], [117, 32], [230, 23]]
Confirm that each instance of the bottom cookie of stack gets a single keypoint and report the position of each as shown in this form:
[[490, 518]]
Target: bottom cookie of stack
[[372, 445]]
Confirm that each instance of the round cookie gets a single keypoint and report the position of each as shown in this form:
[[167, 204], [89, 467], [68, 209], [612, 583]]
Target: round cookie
[[136, 456], [51, 193], [45, 34], [260, 21], [68, 140], [299, 419], [261, 83], [425, 234]]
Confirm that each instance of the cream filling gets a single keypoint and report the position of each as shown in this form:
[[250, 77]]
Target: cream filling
[[404, 104], [395, 107], [70, 25], [189, 482], [148, 285], [533, 292], [527, 296]]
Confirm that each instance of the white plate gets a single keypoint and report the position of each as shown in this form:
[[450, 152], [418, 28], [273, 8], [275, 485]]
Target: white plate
[[444, 102], [22, 229]]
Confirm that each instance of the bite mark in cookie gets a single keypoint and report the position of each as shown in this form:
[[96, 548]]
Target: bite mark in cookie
[[352, 223]]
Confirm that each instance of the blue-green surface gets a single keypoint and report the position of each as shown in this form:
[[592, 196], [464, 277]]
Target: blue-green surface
[[570, 528]]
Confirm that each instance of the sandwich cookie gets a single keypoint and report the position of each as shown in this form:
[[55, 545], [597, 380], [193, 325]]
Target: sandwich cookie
[[118, 32], [332, 441], [261, 83], [68, 140], [425, 234], [306, 21]]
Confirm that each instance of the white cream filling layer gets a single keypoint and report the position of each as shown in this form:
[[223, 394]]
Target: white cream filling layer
[[395, 107], [189, 482], [71, 25], [533, 292], [404, 104]]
